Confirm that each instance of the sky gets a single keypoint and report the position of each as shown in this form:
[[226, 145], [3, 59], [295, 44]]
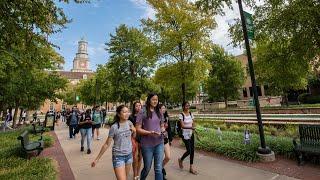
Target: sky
[[97, 20]]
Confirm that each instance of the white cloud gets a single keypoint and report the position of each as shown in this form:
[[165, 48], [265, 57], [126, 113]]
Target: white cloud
[[95, 49], [149, 12]]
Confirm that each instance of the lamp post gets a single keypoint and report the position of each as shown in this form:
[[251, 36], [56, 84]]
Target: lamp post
[[263, 149]]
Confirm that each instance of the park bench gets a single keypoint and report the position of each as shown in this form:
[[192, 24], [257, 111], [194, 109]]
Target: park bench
[[309, 141], [37, 129], [29, 147]]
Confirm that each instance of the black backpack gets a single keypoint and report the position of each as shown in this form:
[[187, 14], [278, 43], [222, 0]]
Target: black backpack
[[178, 126]]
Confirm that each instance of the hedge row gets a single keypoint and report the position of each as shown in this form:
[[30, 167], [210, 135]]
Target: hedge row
[[232, 144]]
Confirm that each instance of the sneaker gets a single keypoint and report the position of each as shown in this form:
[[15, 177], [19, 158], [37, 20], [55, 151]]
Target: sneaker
[[98, 138], [82, 149], [89, 151]]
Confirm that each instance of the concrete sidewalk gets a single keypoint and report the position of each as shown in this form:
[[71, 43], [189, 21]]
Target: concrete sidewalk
[[209, 168]]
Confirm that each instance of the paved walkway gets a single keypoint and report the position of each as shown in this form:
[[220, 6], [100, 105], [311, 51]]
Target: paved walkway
[[208, 167]]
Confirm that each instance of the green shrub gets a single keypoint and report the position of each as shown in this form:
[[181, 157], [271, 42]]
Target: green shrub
[[306, 98], [232, 144]]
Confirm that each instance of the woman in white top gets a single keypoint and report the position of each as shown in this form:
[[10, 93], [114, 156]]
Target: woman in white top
[[187, 126]]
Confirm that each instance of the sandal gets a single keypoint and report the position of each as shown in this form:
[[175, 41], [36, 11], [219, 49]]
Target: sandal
[[180, 163], [193, 172]]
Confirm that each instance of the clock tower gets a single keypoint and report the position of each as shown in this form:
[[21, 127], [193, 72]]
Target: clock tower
[[81, 61]]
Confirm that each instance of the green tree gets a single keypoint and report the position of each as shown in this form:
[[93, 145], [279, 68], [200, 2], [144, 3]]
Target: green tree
[[225, 78], [25, 51], [168, 77], [182, 35], [131, 63]]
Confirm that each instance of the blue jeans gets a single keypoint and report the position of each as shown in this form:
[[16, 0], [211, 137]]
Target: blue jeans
[[148, 154], [86, 133]]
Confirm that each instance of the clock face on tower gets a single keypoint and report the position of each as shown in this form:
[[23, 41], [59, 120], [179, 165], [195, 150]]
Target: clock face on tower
[[82, 47]]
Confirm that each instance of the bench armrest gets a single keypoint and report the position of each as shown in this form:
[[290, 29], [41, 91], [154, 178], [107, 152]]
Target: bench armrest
[[41, 137], [294, 141]]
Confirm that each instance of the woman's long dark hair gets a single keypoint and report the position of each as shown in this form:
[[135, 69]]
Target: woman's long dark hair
[[165, 114], [134, 108], [148, 105], [116, 118], [184, 105]]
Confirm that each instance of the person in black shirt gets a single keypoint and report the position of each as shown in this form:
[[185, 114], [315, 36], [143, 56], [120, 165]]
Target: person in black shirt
[[85, 126], [136, 150]]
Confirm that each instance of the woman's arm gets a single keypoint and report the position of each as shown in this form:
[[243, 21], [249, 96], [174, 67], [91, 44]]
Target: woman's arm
[[145, 132], [103, 149]]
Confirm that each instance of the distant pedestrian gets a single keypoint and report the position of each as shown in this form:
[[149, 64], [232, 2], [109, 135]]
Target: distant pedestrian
[[136, 148], [104, 116], [85, 126], [120, 132], [72, 121], [7, 121], [24, 116], [97, 119], [35, 116], [167, 138], [150, 126], [188, 126]]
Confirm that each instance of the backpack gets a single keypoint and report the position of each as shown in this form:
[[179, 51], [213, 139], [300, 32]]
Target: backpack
[[178, 126]]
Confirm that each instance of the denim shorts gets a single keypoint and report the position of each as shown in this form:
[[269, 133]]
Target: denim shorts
[[118, 161]]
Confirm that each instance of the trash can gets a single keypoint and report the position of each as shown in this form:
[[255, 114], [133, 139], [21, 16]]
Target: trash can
[[50, 120]]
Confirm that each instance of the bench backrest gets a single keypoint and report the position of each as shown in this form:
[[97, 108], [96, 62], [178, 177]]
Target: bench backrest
[[309, 135], [24, 138]]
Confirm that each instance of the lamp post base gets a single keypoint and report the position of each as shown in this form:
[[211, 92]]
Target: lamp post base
[[266, 155]]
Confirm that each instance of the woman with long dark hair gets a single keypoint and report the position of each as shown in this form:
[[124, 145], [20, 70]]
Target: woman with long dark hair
[[136, 149], [187, 126], [150, 127], [120, 132]]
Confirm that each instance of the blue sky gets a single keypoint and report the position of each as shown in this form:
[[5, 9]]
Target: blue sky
[[95, 22]]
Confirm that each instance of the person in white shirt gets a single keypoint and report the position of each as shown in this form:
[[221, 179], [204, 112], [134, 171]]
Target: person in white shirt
[[187, 126]]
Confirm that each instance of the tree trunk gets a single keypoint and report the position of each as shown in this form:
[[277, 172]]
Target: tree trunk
[[183, 88], [226, 102], [14, 123]]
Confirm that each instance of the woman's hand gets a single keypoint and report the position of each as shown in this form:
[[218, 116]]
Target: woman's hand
[[154, 133], [94, 163]]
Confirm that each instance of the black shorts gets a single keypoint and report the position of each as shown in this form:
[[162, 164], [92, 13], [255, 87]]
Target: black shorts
[[96, 126]]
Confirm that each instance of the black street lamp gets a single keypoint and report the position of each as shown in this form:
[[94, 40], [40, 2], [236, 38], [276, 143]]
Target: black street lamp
[[263, 149]]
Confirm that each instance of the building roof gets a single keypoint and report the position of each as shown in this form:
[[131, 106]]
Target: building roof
[[74, 75]]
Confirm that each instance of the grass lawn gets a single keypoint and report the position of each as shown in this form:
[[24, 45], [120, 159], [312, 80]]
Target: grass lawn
[[14, 166]]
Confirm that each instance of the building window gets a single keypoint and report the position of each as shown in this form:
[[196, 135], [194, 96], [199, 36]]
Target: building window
[[244, 92]]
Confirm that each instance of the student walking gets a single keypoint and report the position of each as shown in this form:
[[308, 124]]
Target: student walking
[[7, 121], [167, 138], [120, 132], [150, 127], [136, 148], [97, 119], [187, 125], [72, 121], [85, 126]]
